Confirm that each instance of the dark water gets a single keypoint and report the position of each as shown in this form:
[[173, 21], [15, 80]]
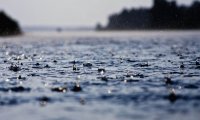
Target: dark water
[[144, 76]]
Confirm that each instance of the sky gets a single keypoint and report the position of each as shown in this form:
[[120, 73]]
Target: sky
[[71, 13]]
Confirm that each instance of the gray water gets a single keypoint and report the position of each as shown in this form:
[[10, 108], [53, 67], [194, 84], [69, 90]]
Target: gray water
[[101, 76]]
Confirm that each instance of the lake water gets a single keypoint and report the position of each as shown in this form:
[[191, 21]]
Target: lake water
[[136, 75]]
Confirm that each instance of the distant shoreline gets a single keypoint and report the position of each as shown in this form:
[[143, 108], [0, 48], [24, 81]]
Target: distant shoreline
[[163, 15], [86, 29], [34, 35]]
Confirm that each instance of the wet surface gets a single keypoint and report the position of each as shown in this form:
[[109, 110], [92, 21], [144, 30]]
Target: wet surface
[[129, 77]]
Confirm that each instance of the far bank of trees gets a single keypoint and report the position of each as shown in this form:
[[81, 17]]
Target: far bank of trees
[[163, 15]]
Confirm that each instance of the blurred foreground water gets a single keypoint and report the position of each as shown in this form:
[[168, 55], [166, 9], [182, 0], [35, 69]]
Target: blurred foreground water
[[106, 75]]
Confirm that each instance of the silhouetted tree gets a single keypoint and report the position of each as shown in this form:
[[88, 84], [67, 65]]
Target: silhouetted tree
[[8, 26]]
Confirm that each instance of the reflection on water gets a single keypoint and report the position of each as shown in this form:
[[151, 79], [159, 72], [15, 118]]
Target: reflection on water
[[106, 75]]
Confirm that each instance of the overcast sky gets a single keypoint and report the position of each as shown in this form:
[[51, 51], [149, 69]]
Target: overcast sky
[[68, 12]]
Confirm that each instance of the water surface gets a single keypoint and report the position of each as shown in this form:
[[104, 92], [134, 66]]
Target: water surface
[[105, 75]]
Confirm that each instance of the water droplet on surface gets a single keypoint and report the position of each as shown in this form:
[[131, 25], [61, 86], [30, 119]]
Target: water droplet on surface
[[7, 80], [14, 68], [59, 89], [55, 61], [172, 96], [43, 101], [168, 81], [182, 66], [89, 65], [76, 88], [101, 70], [109, 91], [125, 81], [197, 62]]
